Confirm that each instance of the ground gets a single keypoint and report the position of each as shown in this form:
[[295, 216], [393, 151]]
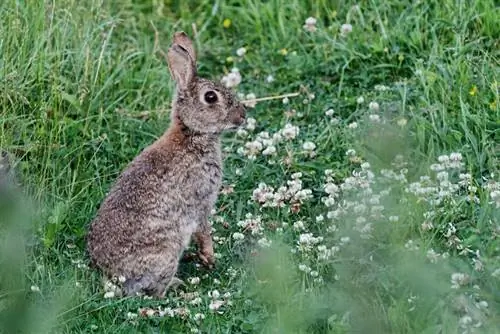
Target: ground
[[366, 201]]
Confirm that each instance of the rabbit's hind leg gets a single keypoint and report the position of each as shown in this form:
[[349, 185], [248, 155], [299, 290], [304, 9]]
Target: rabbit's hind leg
[[157, 277]]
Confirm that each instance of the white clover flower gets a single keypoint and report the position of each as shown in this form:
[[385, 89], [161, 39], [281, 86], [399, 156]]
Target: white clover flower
[[365, 166], [290, 131], [310, 24], [309, 146], [402, 122], [345, 29], [193, 280], [214, 294], [285, 100], [277, 137], [298, 225], [459, 279], [269, 78], [465, 321], [432, 256], [303, 267], [353, 125], [360, 100], [238, 236], [263, 242], [345, 240], [373, 106], [199, 316], [250, 101], [242, 132], [35, 288], [241, 52], [329, 202], [232, 79], [443, 159], [350, 152], [456, 156], [303, 195], [196, 301], [109, 294], [320, 218], [251, 123], [374, 118], [331, 188], [329, 112], [270, 150], [215, 305]]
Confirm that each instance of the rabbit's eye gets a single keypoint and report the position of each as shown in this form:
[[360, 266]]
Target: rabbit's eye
[[211, 97]]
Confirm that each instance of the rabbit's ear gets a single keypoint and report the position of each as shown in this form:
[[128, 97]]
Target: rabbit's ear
[[181, 60], [183, 40]]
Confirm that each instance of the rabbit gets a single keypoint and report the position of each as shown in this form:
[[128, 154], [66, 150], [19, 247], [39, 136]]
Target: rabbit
[[164, 197]]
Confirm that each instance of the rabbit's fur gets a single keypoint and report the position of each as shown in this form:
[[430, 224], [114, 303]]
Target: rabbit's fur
[[165, 195]]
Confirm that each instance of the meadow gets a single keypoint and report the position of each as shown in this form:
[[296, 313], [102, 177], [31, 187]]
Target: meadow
[[362, 197]]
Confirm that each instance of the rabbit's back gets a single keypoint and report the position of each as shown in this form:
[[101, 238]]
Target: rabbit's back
[[156, 204]]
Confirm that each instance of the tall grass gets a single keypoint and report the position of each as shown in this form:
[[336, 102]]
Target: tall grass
[[83, 89]]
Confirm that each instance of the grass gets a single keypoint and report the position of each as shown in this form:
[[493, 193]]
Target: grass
[[84, 89]]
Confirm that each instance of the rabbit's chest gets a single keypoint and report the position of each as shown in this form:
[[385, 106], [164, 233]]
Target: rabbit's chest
[[203, 182]]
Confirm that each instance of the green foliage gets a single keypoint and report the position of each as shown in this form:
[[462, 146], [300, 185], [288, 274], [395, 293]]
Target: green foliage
[[84, 88]]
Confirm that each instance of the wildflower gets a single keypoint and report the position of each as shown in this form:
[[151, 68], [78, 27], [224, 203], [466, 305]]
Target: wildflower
[[329, 112], [285, 100], [263, 242], [269, 78], [374, 118], [303, 267], [241, 52], [251, 122], [353, 125], [238, 236], [250, 100], [109, 294], [320, 218], [199, 316], [194, 280], [298, 225], [473, 90], [214, 294], [465, 321], [345, 240], [290, 131], [131, 315], [215, 305], [232, 79], [226, 23], [310, 24], [458, 279], [309, 146], [283, 52], [270, 150], [374, 106], [242, 132], [360, 100], [432, 256], [35, 288], [402, 122], [345, 29]]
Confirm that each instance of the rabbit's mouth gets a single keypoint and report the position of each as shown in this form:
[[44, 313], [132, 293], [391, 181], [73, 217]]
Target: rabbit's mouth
[[238, 117]]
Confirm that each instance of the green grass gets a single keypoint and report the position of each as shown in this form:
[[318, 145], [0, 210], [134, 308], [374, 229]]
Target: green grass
[[83, 89]]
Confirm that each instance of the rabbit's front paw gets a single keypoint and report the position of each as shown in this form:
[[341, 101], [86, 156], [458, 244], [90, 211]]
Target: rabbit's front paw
[[207, 257]]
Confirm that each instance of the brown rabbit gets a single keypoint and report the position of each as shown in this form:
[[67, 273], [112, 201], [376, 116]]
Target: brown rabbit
[[167, 192]]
